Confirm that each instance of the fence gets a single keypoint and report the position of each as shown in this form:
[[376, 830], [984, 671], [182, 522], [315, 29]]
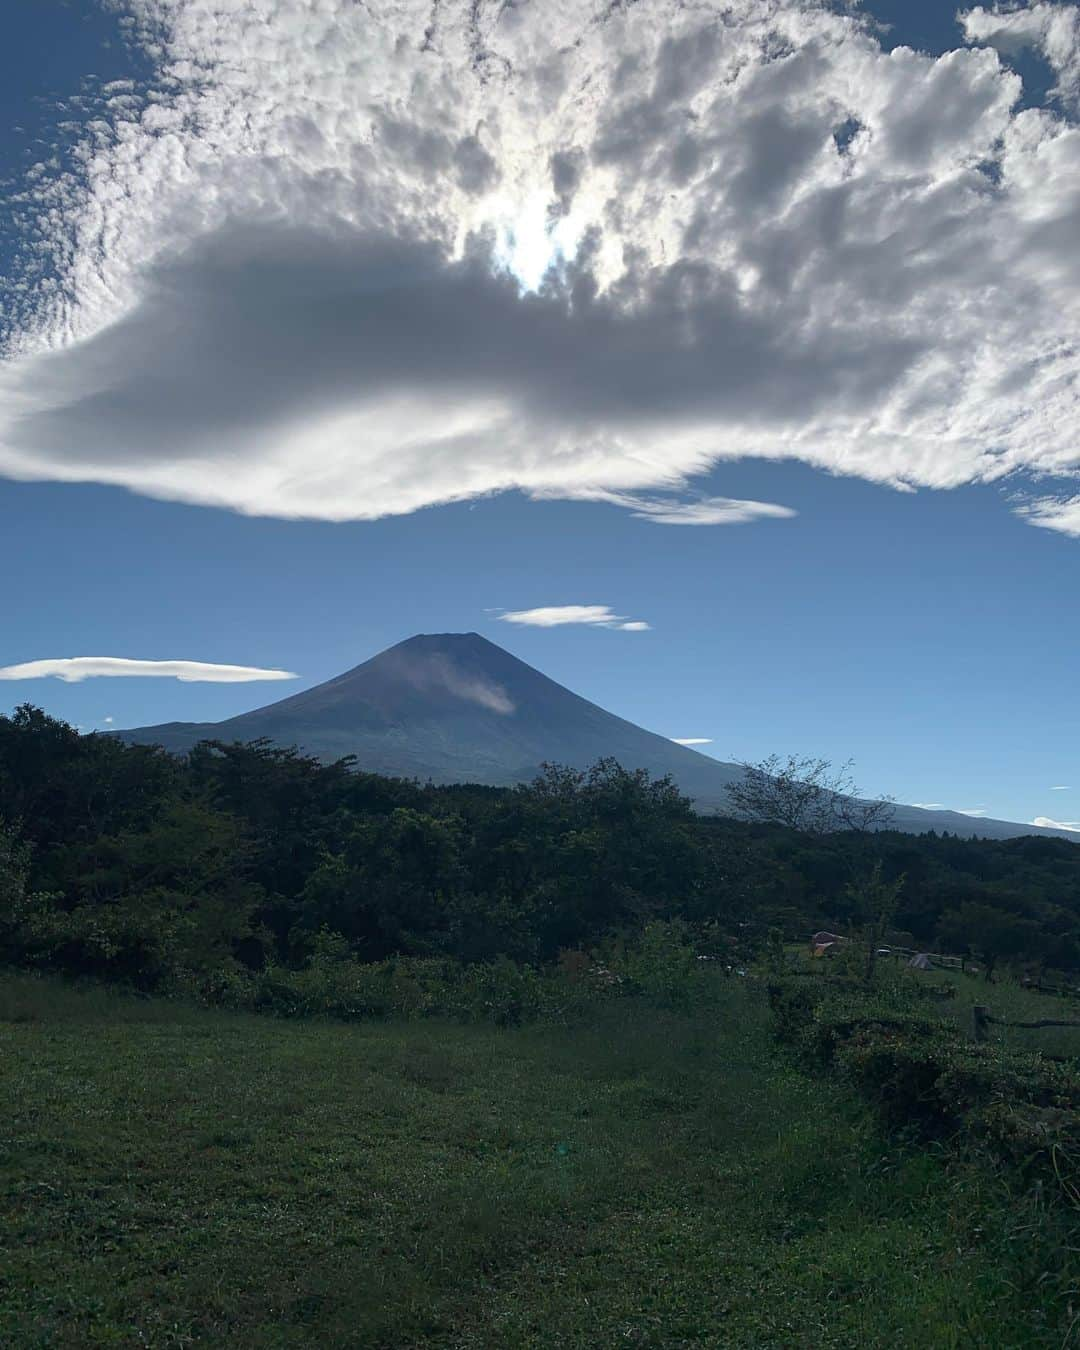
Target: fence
[[982, 1019]]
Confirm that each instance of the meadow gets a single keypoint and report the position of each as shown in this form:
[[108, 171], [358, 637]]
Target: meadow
[[175, 1176]]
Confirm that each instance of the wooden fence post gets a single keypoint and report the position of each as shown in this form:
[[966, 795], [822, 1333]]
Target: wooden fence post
[[980, 1016]]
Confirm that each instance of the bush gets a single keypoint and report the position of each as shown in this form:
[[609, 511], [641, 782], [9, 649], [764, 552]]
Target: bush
[[660, 967], [923, 1079]]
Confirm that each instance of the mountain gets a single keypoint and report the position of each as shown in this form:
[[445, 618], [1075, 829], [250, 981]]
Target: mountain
[[454, 707]]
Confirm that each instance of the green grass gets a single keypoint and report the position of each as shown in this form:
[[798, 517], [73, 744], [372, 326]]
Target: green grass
[[175, 1177], [1008, 999]]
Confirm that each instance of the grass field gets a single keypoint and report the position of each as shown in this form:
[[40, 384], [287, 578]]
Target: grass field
[[174, 1177]]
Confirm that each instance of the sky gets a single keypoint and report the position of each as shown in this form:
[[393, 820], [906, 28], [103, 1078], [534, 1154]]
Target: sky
[[718, 359]]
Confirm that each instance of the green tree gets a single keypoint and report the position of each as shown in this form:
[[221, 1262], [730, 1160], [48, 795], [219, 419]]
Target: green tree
[[391, 886], [874, 901], [25, 915], [990, 934]]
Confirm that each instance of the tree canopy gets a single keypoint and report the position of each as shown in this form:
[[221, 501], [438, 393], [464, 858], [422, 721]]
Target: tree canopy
[[127, 862]]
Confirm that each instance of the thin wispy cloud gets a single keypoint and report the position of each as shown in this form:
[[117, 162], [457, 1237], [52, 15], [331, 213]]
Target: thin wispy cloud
[[692, 740], [1048, 824], [1053, 513], [344, 261], [697, 511], [74, 669], [1061, 787], [974, 811], [558, 616], [438, 672]]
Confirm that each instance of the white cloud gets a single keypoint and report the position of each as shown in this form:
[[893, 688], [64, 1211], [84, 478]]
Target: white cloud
[[1049, 824], [1053, 29], [557, 616], [692, 740], [287, 279], [72, 669], [437, 673], [972, 810], [703, 511], [1053, 513], [1061, 787], [930, 806]]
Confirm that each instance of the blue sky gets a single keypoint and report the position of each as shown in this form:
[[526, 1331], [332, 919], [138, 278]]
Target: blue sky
[[925, 632]]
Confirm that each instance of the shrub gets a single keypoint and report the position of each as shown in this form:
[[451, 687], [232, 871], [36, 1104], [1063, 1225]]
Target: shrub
[[924, 1079], [662, 965]]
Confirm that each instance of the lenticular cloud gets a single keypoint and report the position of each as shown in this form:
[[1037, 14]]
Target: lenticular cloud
[[75, 669], [340, 261]]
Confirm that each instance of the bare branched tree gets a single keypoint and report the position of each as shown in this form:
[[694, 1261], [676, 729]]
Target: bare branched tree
[[807, 794]]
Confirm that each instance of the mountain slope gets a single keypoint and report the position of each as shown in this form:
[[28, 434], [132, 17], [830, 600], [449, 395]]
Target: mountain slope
[[454, 707]]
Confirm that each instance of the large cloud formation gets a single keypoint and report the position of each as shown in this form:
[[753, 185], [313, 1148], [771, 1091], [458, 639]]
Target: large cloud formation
[[342, 261]]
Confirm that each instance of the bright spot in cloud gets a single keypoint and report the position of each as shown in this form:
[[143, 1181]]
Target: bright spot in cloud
[[557, 616], [530, 244], [73, 669]]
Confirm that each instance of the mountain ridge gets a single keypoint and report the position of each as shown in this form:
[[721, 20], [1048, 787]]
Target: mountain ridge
[[456, 707]]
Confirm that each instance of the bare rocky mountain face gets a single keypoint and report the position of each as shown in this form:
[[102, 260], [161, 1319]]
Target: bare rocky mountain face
[[456, 708]]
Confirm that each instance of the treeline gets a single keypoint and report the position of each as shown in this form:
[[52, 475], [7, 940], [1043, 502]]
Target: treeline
[[1012, 902], [127, 863]]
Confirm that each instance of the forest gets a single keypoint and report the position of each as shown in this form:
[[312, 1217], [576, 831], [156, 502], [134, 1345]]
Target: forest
[[131, 865]]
